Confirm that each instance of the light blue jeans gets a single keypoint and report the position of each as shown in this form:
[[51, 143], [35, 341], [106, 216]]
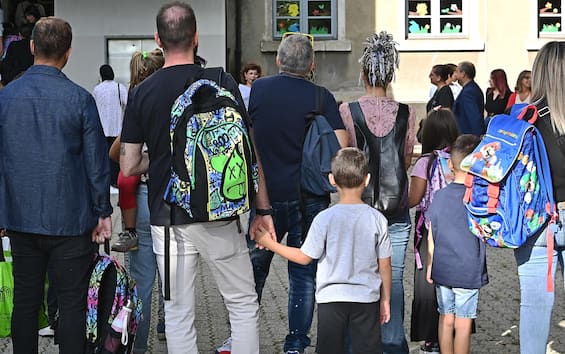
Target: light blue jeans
[[143, 267], [536, 302], [392, 333]]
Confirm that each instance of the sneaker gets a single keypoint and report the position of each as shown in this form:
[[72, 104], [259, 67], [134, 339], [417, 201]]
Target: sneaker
[[127, 241], [46, 332], [429, 348], [161, 331], [293, 352], [225, 348]]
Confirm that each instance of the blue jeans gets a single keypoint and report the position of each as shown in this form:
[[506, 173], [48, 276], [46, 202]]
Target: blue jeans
[[288, 218], [536, 303], [143, 267], [392, 333]]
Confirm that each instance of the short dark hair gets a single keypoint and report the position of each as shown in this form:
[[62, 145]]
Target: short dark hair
[[52, 37], [349, 168], [442, 71], [106, 72], [463, 146], [250, 66], [176, 25], [33, 11], [468, 68]]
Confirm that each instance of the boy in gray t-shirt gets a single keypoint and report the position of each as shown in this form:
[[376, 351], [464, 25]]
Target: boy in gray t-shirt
[[351, 243]]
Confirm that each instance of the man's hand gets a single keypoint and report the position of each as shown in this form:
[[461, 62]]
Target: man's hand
[[102, 231], [262, 223]]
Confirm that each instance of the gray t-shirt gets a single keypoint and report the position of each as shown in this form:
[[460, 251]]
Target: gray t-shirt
[[348, 240]]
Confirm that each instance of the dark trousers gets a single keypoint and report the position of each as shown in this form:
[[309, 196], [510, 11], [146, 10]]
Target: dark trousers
[[70, 259], [114, 166], [360, 320]]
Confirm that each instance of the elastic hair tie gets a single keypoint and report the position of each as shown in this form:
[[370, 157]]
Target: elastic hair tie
[[144, 54]]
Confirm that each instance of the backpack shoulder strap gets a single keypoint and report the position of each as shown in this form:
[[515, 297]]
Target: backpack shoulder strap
[[357, 113], [320, 100], [100, 266]]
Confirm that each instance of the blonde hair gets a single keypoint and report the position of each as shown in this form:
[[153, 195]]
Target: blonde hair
[[143, 64], [548, 81]]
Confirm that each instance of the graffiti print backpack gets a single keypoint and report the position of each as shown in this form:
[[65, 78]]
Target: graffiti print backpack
[[509, 194], [113, 308], [214, 170], [439, 176]]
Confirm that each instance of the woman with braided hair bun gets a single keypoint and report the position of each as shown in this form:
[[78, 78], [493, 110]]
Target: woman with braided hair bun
[[377, 120]]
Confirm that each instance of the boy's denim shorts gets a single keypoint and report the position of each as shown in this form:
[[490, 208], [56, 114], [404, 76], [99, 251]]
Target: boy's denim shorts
[[458, 301]]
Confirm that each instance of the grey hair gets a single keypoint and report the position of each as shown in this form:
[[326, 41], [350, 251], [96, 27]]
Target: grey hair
[[296, 55], [380, 59], [548, 81], [468, 68]]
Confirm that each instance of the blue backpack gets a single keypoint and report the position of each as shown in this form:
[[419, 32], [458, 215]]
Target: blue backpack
[[320, 146], [509, 194]]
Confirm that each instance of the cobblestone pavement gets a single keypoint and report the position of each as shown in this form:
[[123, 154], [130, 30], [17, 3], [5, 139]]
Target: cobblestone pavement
[[497, 323]]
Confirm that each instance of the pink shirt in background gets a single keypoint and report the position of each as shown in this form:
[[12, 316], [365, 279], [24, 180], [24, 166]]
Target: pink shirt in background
[[380, 115]]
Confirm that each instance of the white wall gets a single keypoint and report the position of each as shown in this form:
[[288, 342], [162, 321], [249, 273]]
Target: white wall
[[93, 20]]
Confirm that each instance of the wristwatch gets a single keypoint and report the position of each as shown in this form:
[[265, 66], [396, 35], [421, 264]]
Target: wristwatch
[[264, 212]]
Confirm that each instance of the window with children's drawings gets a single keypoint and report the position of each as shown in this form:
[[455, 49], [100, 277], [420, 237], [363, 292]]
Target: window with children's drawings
[[315, 17], [550, 18], [437, 18]]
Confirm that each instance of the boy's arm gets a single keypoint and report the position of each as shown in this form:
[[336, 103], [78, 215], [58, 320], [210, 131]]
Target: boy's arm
[[430, 255], [293, 254], [385, 270]]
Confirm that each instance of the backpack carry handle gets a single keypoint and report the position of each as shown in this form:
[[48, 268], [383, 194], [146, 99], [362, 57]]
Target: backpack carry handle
[[529, 113]]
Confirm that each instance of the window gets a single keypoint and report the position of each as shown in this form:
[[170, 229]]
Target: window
[[437, 18], [315, 17], [119, 51], [549, 18]]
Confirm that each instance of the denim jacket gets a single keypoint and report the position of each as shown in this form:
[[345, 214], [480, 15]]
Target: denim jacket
[[54, 167]]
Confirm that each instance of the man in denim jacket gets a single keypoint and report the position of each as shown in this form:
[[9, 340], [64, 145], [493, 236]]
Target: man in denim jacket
[[54, 188]]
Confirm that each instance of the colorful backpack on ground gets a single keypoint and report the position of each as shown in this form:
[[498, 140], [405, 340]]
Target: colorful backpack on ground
[[113, 308], [440, 176], [509, 194], [214, 172]]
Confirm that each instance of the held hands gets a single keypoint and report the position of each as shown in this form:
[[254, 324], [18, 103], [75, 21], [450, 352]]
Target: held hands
[[262, 224], [102, 231], [263, 238]]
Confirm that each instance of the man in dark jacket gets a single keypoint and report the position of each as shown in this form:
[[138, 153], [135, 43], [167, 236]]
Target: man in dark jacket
[[469, 106], [54, 188]]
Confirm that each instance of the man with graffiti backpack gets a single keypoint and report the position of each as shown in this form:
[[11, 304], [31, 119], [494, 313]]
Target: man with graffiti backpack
[[202, 175]]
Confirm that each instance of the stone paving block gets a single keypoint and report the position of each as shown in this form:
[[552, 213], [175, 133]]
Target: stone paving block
[[497, 323]]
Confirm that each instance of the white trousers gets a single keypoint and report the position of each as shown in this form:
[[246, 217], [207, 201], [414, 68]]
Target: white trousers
[[224, 249]]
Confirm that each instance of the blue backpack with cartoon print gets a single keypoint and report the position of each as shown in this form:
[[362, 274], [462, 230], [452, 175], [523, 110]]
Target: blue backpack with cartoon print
[[509, 195]]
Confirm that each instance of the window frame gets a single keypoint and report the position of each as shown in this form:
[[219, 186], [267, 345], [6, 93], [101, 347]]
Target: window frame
[[435, 18], [304, 19], [539, 16], [471, 40]]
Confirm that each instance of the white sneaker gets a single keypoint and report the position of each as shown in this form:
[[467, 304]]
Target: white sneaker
[[225, 348], [46, 332]]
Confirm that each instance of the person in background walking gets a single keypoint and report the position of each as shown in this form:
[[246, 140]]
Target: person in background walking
[[111, 99]]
